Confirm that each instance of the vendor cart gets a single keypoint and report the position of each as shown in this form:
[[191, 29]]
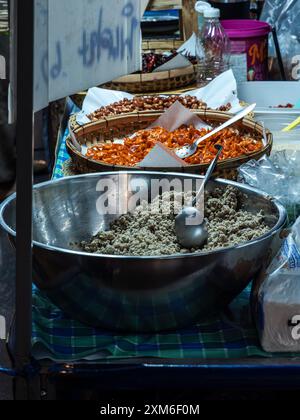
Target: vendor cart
[[55, 357]]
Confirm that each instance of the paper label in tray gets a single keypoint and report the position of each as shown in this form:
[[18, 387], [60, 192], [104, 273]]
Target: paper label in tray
[[172, 119], [178, 62], [189, 47], [98, 97]]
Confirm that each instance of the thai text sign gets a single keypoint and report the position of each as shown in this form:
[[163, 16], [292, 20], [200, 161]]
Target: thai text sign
[[83, 43]]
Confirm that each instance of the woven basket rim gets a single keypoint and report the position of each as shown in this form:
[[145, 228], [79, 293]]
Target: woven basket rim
[[156, 81]]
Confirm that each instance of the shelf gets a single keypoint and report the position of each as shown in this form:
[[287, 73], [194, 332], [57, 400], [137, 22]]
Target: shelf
[[164, 4]]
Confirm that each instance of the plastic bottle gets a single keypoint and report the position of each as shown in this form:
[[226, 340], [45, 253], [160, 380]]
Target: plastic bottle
[[213, 48], [200, 7]]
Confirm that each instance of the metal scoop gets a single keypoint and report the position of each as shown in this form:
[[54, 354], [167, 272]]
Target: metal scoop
[[190, 149], [193, 235]]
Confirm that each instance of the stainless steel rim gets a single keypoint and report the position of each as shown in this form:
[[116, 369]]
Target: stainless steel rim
[[279, 225]]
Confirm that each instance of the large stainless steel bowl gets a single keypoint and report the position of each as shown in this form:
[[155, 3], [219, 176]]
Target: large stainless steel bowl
[[134, 293]]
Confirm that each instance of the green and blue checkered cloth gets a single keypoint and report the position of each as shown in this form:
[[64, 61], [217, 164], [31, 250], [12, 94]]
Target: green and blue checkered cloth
[[58, 338]]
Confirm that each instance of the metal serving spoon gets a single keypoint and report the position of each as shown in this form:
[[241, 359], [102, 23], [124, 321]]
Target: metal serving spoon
[[194, 236], [189, 150]]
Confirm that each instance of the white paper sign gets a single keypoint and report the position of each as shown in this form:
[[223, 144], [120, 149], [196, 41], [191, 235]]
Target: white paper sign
[[83, 43]]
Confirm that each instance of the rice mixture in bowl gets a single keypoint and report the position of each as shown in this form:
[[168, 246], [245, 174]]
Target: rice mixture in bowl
[[150, 229]]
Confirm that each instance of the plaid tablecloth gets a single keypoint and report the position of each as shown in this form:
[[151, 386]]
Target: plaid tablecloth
[[56, 337]]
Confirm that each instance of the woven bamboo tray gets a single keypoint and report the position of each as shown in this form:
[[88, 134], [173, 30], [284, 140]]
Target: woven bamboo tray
[[107, 130], [155, 82]]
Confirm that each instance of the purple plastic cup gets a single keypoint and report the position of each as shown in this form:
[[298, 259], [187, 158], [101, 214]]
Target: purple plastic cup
[[249, 48]]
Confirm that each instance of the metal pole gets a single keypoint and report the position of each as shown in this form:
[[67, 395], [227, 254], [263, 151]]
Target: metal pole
[[278, 53], [25, 121]]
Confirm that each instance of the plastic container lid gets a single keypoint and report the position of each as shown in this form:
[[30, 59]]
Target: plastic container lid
[[245, 28], [200, 6], [212, 13]]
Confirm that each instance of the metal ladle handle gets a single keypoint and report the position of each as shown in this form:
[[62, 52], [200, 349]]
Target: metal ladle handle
[[209, 173]]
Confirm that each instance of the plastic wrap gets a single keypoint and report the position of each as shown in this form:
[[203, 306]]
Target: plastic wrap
[[278, 176], [285, 16], [277, 299]]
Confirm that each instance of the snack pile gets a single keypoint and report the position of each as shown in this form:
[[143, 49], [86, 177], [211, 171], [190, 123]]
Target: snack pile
[[147, 103]]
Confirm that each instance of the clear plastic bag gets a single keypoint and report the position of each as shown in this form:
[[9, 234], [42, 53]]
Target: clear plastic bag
[[285, 16], [278, 176]]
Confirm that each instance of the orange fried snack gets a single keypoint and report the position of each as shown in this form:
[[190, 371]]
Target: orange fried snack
[[135, 149]]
